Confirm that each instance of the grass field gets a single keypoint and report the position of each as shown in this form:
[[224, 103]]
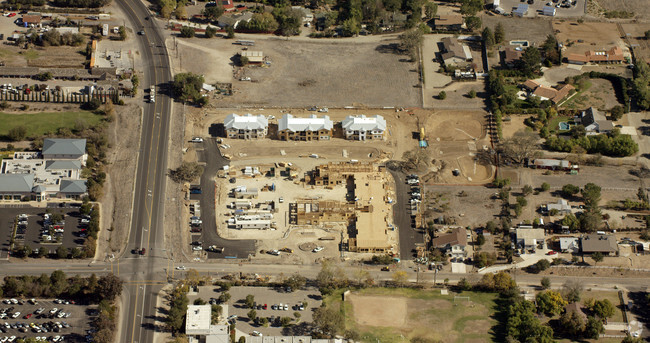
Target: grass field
[[611, 296], [37, 124], [402, 315]]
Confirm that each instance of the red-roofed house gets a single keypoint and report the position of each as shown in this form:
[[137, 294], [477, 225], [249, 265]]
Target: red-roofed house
[[556, 94], [613, 55], [227, 5]]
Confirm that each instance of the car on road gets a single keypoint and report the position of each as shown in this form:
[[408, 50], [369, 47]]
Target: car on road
[[551, 252], [143, 251], [256, 333], [197, 140], [141, 32], [317, 249], [181, 268], [197, 248], [11, 15], [324, 110], [232, 317], [214, 248]]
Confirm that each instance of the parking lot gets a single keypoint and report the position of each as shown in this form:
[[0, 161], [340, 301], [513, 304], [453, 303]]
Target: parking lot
[[535, 8], [269, 296], [44, 318], [30, 230]]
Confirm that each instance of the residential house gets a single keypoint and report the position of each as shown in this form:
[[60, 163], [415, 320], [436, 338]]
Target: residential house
[[31, 20], [594, 122], [247, 126], [453, 244], [604, 244], [227, 5], [510, 56], [455, 52], [307, 15], [555, 95], [562, 207], [233, 20], [452, 22], [613, 55], [312, 128], [364, 128], [569, 244], [529, 238]]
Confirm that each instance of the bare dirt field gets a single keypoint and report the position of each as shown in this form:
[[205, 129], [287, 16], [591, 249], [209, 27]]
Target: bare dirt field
[[635, 34], [454, 137], [533, 30], [372, 310], [600, 95], [638, 7], [593, 36], [305, 73]]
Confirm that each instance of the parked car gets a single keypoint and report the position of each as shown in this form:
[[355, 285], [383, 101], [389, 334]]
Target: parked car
[[197, 140], [317, 249]]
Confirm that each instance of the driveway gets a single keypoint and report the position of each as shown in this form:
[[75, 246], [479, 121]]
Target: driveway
[[641, 121], [430, 65], [213, 161]]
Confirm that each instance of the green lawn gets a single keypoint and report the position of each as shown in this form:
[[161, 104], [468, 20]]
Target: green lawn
[[611, 296], [37, 124], [455, 322], [30, 54], [553, 124]]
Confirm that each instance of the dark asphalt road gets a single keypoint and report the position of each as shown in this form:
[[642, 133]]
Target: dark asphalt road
[[408, 236], [213, 160]]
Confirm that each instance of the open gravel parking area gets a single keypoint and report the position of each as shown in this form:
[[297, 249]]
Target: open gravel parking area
[[535, 9], [41, 319]]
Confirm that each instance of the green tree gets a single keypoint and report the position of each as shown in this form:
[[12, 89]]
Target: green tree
[[210, 31], [329, 321], [250, 300], [480, 239], [122, 33], [410, 42], [187, 32], [550, 303], [546, 283], [187, 86], [543, 264], [617, 112], [295, 282], [488, 37], [351, 27], [590, 221], [400, 278], [230, 32], [252, 315], [570, 190], [647, 35], [471, 7], [109, 287], [530, 60], [430, 9], [545, 187], [213, 12], [572, 324], [499, 33], [471, 94], [593, 328], [473, 23], [61, 252], [442, 95], [604, 309], [523, 325], [571, 221], [17, 133], [485, 259], [591, 196], [628, 338]]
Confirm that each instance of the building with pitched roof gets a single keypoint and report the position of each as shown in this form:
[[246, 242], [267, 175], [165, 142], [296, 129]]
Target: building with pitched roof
[[604, 244], [452, 22], [510, 56], [247, 126], [554, 94], [15, 186], [61, 148], [312, 128], [594, 122], [453, 243], [613, 55], [455, 52], [363, 128], [529, 238]]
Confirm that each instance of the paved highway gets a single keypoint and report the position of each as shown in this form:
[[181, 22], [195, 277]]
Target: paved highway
[[148, 203]]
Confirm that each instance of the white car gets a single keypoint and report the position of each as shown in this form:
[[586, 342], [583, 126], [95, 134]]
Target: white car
[[54, 310], [197, 248], [15, 315], [11, 339], [317, 249], [324, 109], [180, 268], [256, 333], [197, 140], [286, 307]]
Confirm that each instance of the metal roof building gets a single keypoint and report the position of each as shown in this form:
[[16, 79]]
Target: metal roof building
[[63, 148], [16, 183]]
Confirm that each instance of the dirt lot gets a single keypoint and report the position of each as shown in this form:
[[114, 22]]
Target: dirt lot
[[454, 137], [600, 95], [294, 78], [392, 316], [532, 30], [594, 36], [638, 7], [636, 36]]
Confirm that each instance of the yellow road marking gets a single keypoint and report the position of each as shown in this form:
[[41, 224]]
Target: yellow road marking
[[135, 310]]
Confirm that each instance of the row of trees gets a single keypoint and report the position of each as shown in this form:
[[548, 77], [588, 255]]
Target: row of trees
[[81, 3], [54, 38], [641, 84], [613, 144], [57, 285]]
